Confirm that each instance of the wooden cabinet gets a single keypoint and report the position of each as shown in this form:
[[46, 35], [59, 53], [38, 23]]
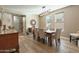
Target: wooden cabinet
[[9, 41]]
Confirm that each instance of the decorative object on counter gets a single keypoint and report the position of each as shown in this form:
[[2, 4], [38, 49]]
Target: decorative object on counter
[[4, 28], [9, 27], [12, 27]]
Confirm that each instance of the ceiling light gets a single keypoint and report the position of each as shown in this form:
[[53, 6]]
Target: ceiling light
[[43, 7]]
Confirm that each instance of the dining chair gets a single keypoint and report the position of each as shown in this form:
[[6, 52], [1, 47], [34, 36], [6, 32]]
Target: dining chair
[[56, 36], [36, 35], [42, 35]]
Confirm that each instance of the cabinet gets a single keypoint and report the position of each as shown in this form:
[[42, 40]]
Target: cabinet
[[9, 41]]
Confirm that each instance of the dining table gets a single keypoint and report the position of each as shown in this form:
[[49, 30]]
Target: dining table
[[49, 34]]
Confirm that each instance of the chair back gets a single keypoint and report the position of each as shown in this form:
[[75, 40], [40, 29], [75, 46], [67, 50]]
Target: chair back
[[41, 33], [36, 34], [58, 33]]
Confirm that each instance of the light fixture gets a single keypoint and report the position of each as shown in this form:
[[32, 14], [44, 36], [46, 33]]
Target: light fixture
[[45, 10], [43, 7]]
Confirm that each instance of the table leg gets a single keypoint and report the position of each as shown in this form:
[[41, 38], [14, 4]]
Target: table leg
[[70, 38], [49, 40], [77, 41]]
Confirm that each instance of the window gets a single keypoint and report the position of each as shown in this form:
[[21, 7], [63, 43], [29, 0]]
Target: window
[[59, 21], [48, 22]]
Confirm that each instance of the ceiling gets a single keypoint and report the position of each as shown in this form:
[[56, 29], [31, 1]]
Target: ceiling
[[34, 9]]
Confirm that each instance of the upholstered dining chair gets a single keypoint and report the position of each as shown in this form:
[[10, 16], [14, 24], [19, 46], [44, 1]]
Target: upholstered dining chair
[[56, 36], [36, 34], [42, 35]]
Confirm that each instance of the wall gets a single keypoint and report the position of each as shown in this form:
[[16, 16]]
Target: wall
[[42, 23], [9, 19], [29, 18], [6, 16], [71, 19]]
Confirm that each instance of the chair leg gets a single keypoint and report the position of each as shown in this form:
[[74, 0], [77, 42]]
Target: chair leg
[[45, 40], [56, 42], [42, 40], [76, 42], [38, 38], [59, 40], [70, 38], [33, 36]]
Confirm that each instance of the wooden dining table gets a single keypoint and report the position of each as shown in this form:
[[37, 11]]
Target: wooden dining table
[[49, 35]]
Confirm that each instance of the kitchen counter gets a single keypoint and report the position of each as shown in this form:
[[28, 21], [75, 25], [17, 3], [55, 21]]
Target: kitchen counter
[[8, 32]]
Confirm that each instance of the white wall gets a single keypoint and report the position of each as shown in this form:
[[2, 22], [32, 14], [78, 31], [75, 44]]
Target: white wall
[[7, 19], [29, 18], [6, 16]]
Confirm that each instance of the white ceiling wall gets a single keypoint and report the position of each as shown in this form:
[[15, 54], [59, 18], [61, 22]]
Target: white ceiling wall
[[33, 9]]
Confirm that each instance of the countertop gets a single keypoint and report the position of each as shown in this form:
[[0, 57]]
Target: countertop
[[8, 32]]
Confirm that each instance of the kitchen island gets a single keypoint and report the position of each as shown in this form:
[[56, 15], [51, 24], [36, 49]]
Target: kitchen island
[[9, 41]]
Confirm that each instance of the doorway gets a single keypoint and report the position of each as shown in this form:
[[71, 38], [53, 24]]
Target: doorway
[[19, 23]]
